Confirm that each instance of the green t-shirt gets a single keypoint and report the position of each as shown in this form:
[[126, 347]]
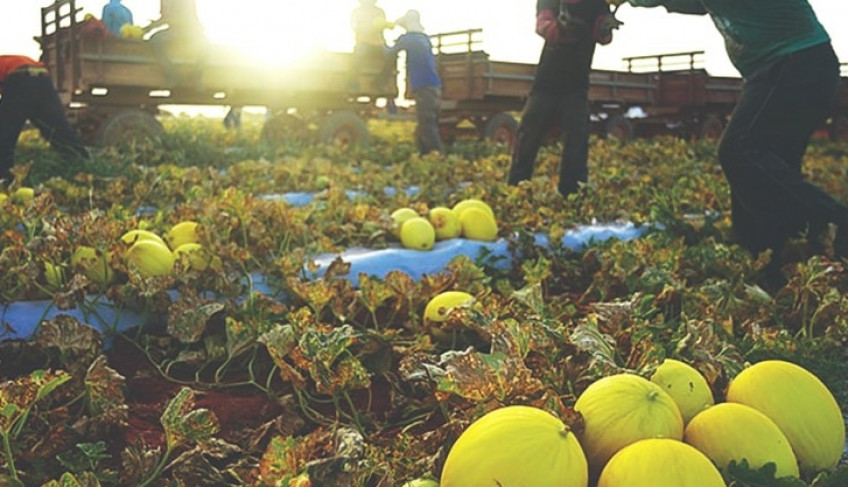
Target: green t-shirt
[[758, 32]]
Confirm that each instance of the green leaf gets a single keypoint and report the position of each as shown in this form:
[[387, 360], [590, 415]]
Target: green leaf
[[185, 425]]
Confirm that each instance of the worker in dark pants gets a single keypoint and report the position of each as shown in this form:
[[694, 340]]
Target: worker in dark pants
[[571, 29], [28, 94], [791, 77]]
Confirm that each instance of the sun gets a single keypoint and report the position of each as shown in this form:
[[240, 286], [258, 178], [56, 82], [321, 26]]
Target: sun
[[277, 32]]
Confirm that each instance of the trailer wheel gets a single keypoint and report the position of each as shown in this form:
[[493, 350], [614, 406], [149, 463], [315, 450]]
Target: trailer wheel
[[128, 126], [285, 127], [839, 128], [712, 128], [344, 128], [501, 129], [618, 127]]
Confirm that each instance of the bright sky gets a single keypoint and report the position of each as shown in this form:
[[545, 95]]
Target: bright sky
[[279, 29]]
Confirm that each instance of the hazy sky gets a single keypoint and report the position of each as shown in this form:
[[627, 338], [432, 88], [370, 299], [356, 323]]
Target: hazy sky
[[283, 28]]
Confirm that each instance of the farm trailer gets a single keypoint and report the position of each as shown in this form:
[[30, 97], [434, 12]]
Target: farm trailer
[[113, 87], [656, 94]]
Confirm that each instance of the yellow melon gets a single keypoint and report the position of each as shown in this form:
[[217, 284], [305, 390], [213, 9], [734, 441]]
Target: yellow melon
[[660, 462], [801, 406], [193, 256], [150, 258], [93, 264], [132, 236], [182, 233], [734, 432], [621, 409], [478, 225], [516, 446], [472, 203], [399, 216], [418, 233], [439, 306], [685, 385]]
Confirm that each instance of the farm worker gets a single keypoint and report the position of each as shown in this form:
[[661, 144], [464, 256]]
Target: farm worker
[[423, 80], [368, 22], [116, 15], [184, 33], [790, 79], [28, 94], [571, 29]]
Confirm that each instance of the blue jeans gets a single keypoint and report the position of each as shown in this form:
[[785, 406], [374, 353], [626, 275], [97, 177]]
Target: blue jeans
[[427, 110], [762, 150]]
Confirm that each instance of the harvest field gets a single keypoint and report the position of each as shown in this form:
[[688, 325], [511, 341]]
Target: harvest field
[[315, 382]]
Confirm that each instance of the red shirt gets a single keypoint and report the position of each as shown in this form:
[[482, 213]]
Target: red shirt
[[11, 63]]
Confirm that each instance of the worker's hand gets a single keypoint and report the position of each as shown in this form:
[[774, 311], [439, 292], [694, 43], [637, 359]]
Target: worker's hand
[[547, 26], [604, 25], [646, 3]]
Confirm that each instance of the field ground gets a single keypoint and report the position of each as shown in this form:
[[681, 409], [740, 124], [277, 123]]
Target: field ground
[[224, 386]]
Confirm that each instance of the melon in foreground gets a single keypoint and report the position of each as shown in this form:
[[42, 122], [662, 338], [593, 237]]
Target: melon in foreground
[[621, 409], [685, 385], [516, 446], [800, 405], [660, 462], [731, 432]]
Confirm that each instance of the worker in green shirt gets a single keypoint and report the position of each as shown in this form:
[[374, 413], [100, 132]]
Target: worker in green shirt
[[791, 77]]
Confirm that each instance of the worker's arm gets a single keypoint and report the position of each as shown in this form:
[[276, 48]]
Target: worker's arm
[[678, 6], [153, 25]]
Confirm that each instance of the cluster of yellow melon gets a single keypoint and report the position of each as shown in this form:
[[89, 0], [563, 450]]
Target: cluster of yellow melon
[[662, 432], [129, 31], [144, 251], [471, 218], [22, 195]]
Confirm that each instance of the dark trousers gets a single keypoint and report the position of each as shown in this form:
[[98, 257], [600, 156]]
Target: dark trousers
[[33, 98], [427, 109], [762, 149], [540, 113]]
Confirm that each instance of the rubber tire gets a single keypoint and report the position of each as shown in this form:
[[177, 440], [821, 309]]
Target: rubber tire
[[128, 126], [711, 128], [618, 127], [501, 129], [285, 127], [344, 128]]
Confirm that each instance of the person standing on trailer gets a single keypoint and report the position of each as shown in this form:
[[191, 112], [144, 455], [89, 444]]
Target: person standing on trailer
[[27, 93], [571, 29], [368, 22], [184, 33], [423, 79], [116, 15], [790, 79]]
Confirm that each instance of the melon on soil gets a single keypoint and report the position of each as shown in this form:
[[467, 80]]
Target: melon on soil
[[801, 406], [660, 462], [621, 409], [516, 446], [730, 432]]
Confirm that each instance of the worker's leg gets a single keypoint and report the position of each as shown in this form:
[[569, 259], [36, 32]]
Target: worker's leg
[[763, 145], [536, 119], [573, 166], [427, 111], [49, 117], [14, 107]]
